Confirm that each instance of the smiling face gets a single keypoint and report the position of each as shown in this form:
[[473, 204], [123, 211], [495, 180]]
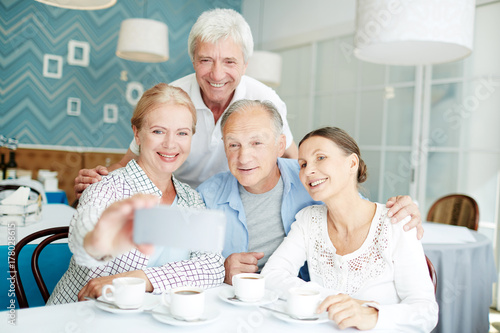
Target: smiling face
[[219, 68], [252, 149], [325, 169], [164, 140]]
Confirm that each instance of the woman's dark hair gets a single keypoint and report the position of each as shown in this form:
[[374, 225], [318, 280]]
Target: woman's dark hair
[[345, 142]]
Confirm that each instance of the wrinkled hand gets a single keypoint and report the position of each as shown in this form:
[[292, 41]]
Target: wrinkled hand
[[88, 176], [113, 233], [346, 312], [244, 262], [94, 287], [402, 207]]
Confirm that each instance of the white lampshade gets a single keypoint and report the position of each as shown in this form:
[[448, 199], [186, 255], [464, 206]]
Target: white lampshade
[[416, 32], [266, 67], [143, 40], [80, 4]]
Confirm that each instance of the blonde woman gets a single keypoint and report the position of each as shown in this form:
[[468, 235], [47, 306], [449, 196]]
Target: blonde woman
[[163, 122]]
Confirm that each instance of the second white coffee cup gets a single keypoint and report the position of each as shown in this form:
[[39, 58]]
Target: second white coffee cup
[[302, 302], [249, 287], [125, 292], [186, 303]]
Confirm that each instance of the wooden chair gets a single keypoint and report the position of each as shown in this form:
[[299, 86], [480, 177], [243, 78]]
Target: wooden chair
[[432, 273], [54, 234], [455, 209]]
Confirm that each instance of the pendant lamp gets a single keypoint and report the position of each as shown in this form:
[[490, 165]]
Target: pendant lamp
[[80, 4], [414, 32], [143, 40], [266, 67]]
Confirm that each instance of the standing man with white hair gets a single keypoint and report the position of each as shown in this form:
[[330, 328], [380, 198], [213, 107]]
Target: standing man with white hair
[[219, 44]]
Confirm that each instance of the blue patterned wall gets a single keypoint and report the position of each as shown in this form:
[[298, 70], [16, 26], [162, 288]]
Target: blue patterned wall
[[33, 107]]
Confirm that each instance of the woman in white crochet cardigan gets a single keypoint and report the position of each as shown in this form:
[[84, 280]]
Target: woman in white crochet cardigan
[[373, 273]]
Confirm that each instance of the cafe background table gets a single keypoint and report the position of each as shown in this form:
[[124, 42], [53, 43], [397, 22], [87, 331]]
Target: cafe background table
[[57, 197], [54, 258], [86, 317], [465, 273]]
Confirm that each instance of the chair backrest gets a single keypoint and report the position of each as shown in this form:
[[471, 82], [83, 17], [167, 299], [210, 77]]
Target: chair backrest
[[432, 273], [54, 234], [455, 209]]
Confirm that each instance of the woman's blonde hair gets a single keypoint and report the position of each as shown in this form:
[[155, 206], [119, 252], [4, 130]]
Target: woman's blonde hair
[[161, 93]]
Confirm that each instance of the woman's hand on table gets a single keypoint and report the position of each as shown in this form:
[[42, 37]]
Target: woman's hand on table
[[346, 312], [113, 233], [402, 207], [94, 287]]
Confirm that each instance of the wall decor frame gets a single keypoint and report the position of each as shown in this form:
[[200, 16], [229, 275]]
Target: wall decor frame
[[52, 66], [74, 57], [129, 94], [73, 106], [110, 113]]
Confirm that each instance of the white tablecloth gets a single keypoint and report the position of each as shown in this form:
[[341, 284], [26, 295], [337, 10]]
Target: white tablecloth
[[53, 215], [86, 317], [465, 272]]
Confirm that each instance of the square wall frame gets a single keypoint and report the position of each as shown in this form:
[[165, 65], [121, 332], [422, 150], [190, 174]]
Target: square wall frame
[[73, 106], [49, 60], [110, 114], [73, 59]]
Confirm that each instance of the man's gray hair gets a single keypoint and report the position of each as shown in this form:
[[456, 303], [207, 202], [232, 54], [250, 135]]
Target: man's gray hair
[[217, 24], [245, 104]]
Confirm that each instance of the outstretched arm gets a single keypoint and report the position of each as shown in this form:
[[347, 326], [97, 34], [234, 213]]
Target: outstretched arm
[[113, 232]]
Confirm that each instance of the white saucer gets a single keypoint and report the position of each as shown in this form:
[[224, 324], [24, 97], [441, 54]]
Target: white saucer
[[209, 316], [322, 318], [226, 293], [150, 301]]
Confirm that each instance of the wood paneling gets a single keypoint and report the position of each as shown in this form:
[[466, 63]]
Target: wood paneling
[[66, 163]]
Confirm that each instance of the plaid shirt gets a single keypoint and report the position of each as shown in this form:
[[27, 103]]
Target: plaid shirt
[[203, 269]]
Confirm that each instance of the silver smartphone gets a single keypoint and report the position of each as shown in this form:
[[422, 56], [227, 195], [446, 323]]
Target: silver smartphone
[[179, 227]]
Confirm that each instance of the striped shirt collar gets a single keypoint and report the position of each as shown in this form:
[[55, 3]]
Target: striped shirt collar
[[145, 185]]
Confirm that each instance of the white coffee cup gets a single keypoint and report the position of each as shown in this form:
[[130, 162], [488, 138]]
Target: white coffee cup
[[302, 302], [187, 303], [249, 287], [126, 292]]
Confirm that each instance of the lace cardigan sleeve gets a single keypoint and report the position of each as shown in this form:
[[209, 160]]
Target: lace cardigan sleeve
[[418, 309]]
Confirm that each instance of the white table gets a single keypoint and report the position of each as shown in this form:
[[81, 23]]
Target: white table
[[53, 215], [465, 274], [86, 317]]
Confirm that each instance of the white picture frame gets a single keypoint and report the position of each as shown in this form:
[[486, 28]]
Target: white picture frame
[[110, 113], [77, 58], [131, 88], [52, 66], [73, 106]]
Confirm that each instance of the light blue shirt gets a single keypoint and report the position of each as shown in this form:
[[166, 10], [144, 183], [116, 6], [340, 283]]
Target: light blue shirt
[[221, 192]]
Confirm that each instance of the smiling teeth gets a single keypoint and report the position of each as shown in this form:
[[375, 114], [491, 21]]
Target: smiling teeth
[[167, 156], [217, 85], [318, 182]]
